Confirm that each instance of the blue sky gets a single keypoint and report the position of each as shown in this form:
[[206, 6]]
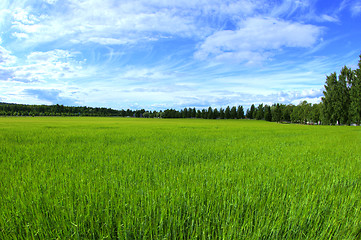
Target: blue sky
[[158, 54]]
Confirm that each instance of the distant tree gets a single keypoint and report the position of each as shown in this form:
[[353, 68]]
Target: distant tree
[[146, 114], [304, 111], [286, 111], [330, 98], [344, 83], [204, 114], [296, 114], [260, 112], [251, 112], [221, 113], [233, 112], [199, 114], [277, 114], [194, 113], [315, 114], [355, 95], [336, 100], [227, 113], [240, 112], [210, 113], [267, 113], [185, 113], [215, 113]]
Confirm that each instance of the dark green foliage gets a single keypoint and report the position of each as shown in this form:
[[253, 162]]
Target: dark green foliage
[[227, 113], [210, 113], [342, 97], [259, 112], [240, 112], [276, 117], [267, 113], [233, 112], [251, 112], [221, 113], [355, 95], [215, 113]]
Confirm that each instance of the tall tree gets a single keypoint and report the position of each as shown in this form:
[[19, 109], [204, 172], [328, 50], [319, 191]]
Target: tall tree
[[315, 115], [305, 109], [250, 112], [240, 112], [199, 114], [204, 114], [227, 113], [344, 83], [267, 113], [276, 117], [330, 98], [194, 113], [210, 113], [215, 113], [233, 112], [355, 95], [221, 113], [260, 112]]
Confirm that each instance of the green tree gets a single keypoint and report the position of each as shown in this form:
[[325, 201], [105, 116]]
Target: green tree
[[344, 83], [251, 112], [233, 112], [204, 114], [355, 95], [296, 114], [210, 113], [199, 114], [276, 117], [227, 113], [330, 98], [215, 113], [304, 111], [221, 113], [260, 112], [240, 112], [267, 113]]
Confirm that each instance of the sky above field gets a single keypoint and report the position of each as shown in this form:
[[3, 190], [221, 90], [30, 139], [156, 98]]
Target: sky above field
[[158, 54]]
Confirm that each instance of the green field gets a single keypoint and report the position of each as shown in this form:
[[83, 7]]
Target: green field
[[109, 178]]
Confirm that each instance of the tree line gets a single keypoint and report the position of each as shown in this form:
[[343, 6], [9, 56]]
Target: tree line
[[341, 104]]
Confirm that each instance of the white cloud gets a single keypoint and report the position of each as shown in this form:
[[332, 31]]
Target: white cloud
[[24, 17], [123, 22], [41, 66], [256, 37], [353, 6], [356, 9], [329, 18], [50, 56], [50, 1], [20, 35], [6, 58], [145, 74]]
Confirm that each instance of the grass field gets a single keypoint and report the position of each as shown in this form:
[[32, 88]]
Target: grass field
[[109, 178]]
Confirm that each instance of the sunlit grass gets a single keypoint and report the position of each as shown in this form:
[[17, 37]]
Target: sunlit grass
[[94, 178]]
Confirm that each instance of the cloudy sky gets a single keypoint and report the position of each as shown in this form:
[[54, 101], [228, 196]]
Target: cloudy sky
[[158, 54]]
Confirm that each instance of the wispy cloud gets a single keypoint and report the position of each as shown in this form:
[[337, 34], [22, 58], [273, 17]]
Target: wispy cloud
[[40, 66], [356, 8], [256, 38], [6, 58]]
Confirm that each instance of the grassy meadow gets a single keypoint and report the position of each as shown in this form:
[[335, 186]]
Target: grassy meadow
[[122, 178]]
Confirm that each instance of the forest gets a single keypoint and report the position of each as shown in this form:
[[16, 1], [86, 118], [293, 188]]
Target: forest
[[341, 104]]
